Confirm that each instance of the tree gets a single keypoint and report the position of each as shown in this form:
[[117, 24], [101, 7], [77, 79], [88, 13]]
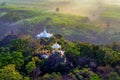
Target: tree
[[115, 46], [5, 57], [69, 76], [18, 59], [30, 66], [21, 45], [85, 74], [9, 73], [73, 51], [18, 45], [15, 58], [113, 76], [99, 56], [53, 76], [85, 49], [57, 9], [95, 77], [111, 57]]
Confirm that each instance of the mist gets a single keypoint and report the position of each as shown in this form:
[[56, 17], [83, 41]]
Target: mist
[[101, 13], [79, 7]]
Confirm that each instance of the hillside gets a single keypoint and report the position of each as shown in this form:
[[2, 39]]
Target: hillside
[[100, 26], [59, 40], [25, 58], [67, 25]]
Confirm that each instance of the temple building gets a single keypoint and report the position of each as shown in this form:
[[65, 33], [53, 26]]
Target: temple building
[[57, 49], [56, 46], [57, 56], [44, 34]]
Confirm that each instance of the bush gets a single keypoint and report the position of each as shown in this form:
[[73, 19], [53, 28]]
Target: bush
[[52, 76]]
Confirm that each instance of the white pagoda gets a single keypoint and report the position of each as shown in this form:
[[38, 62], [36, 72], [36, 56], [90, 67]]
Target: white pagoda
[[57, 49], [56, 46], [44, 34]]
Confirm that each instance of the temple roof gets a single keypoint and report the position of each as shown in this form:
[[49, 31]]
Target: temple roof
[[56, 46], [44, 56], [44, 34]]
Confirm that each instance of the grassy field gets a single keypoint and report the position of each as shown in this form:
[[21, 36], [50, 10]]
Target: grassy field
[[31, 17]]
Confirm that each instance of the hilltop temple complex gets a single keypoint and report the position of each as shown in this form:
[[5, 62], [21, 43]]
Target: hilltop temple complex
[[56, 55]]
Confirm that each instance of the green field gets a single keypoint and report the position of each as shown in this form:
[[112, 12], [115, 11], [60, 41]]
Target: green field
[[31, 17]]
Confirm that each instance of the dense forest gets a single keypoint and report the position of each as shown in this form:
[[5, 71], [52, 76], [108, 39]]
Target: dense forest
[[20, 59]]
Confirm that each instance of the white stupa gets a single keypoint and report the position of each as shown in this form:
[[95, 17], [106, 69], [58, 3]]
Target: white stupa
[[44, 34], [56, 46], [44, 56]]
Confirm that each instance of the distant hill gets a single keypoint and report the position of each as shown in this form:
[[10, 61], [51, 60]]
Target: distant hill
[[100, 27]]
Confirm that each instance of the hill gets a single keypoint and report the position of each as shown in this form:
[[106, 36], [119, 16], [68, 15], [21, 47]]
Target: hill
[[31, 22], [25, 58], [100, 26]]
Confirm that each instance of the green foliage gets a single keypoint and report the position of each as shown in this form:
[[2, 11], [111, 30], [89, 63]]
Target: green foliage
[[5, 57], [9, 73], [111, 57], [73, 51], [72, 76], [85, 74], [30, 66], [100, 56], [95, 77], [113, 76], [114, 46], [22, 45], [18, 45], [52, 76], [26, 78], [18, 59], [11, 17], [75, 70], [85, 49]]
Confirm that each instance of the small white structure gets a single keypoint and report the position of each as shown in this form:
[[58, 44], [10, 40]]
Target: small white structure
[[44, 34], [44, 56], [56, 46], [62, 53]]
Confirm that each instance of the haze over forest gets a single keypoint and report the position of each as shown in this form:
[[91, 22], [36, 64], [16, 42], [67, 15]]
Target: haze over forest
[[104, 14]]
